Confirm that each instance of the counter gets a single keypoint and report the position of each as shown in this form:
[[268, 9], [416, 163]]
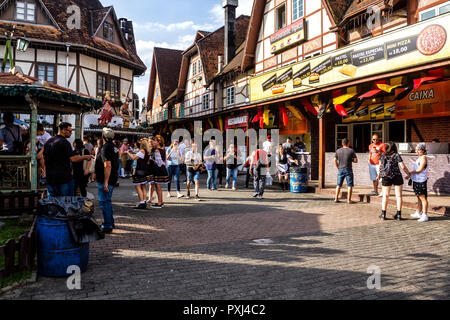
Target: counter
[[438, 174]]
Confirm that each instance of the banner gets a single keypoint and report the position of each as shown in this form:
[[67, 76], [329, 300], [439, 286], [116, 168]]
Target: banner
[[432, 100], [419, 44], [288, 36], [377, 111]]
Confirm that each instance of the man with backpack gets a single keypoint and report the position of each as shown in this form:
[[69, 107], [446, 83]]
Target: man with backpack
[[11, 136]]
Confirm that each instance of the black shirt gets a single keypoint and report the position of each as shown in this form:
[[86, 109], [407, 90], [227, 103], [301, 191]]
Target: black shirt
[[109, 152], [300, 146], [78, 171], [345, 158], [57, 154]]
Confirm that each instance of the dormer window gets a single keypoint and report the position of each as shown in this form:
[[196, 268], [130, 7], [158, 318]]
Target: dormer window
[[108, 31], [25, 11]]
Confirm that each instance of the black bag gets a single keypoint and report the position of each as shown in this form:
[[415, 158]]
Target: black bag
[[17, 144]]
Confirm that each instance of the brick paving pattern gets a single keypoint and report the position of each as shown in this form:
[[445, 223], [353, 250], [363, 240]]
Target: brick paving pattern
[[205, 250]]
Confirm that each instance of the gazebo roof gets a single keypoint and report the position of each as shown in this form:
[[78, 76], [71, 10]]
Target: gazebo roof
[[51, 97]]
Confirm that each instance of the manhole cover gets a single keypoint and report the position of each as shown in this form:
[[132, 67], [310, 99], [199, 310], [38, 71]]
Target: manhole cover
[[264, 241]]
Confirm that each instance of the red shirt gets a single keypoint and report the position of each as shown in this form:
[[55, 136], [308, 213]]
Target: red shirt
[[374, 154]]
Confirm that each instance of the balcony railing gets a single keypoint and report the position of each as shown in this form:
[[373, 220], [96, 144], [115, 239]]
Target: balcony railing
[[15, 172]]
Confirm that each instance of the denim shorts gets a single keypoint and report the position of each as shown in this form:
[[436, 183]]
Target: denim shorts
[[346, 174], [193, 176], [374, 170]]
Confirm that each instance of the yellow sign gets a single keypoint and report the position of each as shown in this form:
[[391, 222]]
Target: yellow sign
[[287, 37], [420, 44]]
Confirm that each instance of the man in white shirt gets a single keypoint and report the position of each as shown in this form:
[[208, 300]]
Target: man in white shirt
[[42, 135], [268, 145], [182, 147]]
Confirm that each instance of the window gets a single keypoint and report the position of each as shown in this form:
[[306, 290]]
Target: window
[[297, 7], [342, 132], [205, 101], [115, 88], [230, 96], [199, 66], [102, 85], [46, 72], [281, 17], [194, 68], [108, 83], [157, 92], [25, 11], [433, 12], [108, 31]]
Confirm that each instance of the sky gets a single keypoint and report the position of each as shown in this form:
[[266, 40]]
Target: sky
[[169, 24]]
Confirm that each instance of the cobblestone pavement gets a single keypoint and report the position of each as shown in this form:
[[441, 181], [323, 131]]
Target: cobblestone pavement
[[205, 250]]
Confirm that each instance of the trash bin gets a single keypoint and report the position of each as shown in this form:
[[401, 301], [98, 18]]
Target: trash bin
[[298, 179], [65, 228]]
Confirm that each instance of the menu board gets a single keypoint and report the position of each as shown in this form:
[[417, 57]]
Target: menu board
[[366, 56], [400, 47]]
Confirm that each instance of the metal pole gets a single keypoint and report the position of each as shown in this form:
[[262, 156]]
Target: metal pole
[[67, 65]]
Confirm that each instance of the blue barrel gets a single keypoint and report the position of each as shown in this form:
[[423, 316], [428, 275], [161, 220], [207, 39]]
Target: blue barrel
[[56, 249], [298, 180]]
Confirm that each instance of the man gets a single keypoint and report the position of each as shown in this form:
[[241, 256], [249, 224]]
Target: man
[[375, 150], [259, 160], [88, 145], [106, 172], [210, 157], [193, 159], [58, 158], [288, 146], [42, 138], [182, 166], [268, 146], [299, 145], [343, 160], [11, 136]]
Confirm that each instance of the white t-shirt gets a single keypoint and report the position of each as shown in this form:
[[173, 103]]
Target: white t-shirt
[[197, 157], [267, 146], [44, 138]]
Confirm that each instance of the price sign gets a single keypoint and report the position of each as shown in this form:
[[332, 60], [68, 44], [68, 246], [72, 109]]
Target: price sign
[[366, 56], [402, 46]]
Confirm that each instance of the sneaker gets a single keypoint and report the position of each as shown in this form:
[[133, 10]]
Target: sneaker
[[140, 206], [255, 195], [106, 230], [416, 215], [169, 195], [373, 193], [227, 186], [423, 218], [233, 189], [157, 206], [197, 198], [380, 195], [260, 197], [179, 195]]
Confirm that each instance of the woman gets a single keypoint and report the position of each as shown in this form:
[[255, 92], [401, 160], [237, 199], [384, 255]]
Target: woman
[[231, 159], [173, 161], [419, 177], [140, 178], [81, 169], [390, 164], [283, 161], [107, 114], [159, 171]]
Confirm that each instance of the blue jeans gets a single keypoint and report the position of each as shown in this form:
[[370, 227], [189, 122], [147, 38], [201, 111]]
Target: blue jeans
[[120, 168], [345, 174], [232, 172], [174, 171], [61, 190], [106, 205], [212, 179]]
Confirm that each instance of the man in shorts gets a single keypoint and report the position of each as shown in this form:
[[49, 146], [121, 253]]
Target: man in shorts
[[343, 160], [375, 150], [193, 159]]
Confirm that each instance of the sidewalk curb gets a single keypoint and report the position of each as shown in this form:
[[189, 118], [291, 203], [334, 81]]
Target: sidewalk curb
[[444, 210]]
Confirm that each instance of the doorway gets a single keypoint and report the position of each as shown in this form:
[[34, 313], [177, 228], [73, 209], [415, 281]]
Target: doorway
[[361, 137], [396, 131]]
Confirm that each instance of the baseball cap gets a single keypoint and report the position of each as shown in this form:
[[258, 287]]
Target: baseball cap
[[108, 133]]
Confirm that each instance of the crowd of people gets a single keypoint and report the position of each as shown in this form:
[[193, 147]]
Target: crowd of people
[[151, 163], [385, 165]]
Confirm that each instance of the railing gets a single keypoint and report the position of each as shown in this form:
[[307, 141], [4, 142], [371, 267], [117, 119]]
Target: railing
[[15, 172], [25, 249], [16, 203]]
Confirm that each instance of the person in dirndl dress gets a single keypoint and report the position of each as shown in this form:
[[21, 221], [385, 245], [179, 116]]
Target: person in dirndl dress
[[159, 170], [141, 174], [283, 161]]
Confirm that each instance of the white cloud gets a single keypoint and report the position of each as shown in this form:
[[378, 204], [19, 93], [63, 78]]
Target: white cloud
[[218, 14]]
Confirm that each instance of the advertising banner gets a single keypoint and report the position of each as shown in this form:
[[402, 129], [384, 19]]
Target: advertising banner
[[288, 36], [419, 44], [432, 100]]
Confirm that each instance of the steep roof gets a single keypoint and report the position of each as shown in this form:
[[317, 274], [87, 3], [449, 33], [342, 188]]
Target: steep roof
[[166, 65], [83, 38], [211, 46], [338, 8]]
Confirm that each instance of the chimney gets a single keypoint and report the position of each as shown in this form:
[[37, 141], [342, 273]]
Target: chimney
[[220, 63], [230, 29]]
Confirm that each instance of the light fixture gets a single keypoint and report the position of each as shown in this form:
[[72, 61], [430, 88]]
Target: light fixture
[[22, 44]]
